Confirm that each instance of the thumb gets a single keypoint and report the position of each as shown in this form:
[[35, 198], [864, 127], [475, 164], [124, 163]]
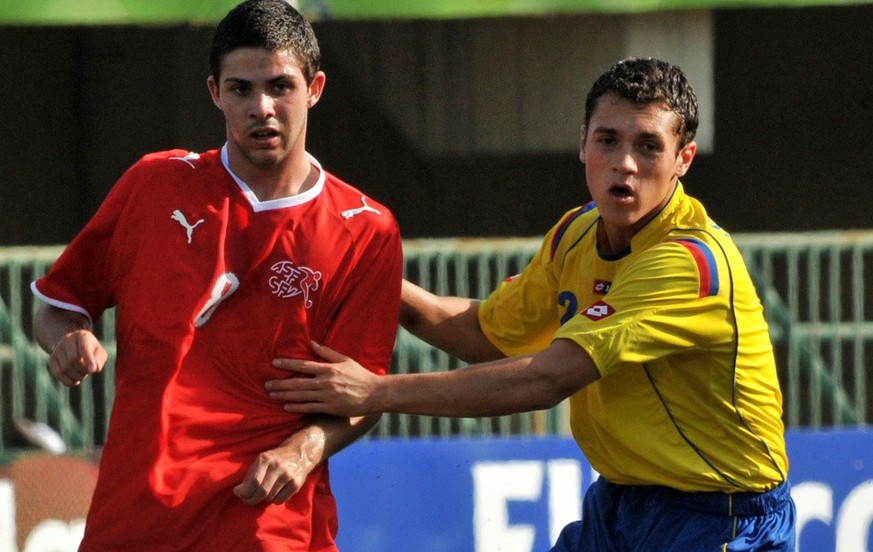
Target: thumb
[[245, 488]]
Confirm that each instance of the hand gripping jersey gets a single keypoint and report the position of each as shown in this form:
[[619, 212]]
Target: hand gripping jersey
[[211, 285], [689, 396]]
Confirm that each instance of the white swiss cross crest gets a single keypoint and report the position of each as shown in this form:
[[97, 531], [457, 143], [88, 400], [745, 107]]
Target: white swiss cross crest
[[598, 311], [289, 280]]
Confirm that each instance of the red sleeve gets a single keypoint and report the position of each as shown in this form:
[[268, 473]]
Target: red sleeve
[[81, 279], [366, 322]]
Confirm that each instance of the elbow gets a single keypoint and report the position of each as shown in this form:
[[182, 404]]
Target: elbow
[[409, 320], [562, 370], [412, 301], [554, 396]]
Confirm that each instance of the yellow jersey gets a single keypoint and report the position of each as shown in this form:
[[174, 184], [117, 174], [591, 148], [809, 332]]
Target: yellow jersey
[[689, 396]]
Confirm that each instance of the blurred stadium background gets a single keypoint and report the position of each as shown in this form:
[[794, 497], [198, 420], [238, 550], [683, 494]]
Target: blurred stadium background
[[432, 108]]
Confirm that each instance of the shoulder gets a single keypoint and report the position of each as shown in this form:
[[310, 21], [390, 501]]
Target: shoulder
[[170, 169], [691, 259], [692, 236], [177, 160], [356, 209], [158, 173], [170, 165], [570, 228], [698, 236]]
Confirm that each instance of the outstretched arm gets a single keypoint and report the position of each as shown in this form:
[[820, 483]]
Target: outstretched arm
[[516, 384], [447, 323], [74, 351], [278, 473]]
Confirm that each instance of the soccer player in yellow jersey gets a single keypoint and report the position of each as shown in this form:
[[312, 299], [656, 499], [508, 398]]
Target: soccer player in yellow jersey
[[638, 308]]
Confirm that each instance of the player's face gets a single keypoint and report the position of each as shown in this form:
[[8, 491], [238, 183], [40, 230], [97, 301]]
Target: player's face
[[632, 162], [265, 100]]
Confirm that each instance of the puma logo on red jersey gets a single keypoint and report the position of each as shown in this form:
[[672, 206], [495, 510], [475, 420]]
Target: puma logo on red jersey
[[179, 217], [349, 213]]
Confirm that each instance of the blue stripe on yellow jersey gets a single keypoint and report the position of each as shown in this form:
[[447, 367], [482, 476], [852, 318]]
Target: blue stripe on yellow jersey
[[706, 265], [566, 222]]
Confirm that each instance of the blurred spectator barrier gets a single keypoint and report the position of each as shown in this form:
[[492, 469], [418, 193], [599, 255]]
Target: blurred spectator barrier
[[43, 502], [812, 285]]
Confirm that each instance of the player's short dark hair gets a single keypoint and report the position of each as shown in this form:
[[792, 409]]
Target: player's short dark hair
[[645, 81], [271, 24]]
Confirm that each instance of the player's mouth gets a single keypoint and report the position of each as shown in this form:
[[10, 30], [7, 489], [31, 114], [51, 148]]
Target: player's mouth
[[264, 136], [621, 192]]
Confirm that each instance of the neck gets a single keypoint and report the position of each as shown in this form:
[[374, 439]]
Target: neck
[[267, 186], [287, 178], [612, 241]]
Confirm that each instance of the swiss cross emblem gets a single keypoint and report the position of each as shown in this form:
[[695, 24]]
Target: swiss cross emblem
[[289, 280], [598, 311]]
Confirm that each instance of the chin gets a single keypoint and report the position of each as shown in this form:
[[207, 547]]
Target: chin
[[264, 159]]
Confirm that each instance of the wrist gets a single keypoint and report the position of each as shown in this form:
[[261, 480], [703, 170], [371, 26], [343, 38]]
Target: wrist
[[379, 399], [56, 343], [312, 447]]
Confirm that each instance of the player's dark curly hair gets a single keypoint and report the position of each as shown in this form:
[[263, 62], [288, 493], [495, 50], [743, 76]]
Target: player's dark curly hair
[[271, 24], [644, 81]]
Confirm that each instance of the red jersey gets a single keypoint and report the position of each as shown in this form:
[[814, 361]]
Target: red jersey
[[210, 285]]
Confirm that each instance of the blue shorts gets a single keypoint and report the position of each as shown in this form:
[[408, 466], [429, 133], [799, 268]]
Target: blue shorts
[[658, 519]]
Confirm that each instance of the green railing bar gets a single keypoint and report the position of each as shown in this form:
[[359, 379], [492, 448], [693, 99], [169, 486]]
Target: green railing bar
[[28, 366], [472, 267]]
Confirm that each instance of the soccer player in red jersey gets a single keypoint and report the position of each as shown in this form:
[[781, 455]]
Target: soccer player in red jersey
[[217, 263]]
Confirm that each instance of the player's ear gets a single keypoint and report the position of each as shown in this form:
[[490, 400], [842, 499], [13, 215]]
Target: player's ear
[[213, 91], [582, 141], [316, 87], [685, 157]]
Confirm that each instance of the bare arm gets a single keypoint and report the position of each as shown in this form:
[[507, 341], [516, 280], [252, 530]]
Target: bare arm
[[515, 384], [278, 473], [448, 323], [74, 351]]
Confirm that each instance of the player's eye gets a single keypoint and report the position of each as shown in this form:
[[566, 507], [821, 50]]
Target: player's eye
[[281, 88], [651, 148]]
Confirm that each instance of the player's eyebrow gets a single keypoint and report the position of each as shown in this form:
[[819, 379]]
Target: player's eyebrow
[[644, 135], [653, 136], [273, 80], [236, 80], [604, 130], [282, 78]]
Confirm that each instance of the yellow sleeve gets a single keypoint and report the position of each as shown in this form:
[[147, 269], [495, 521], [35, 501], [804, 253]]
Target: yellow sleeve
[[654, 308], [521, 314]]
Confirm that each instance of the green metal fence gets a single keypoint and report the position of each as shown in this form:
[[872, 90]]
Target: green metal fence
[[812, 286], [821, 321]]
